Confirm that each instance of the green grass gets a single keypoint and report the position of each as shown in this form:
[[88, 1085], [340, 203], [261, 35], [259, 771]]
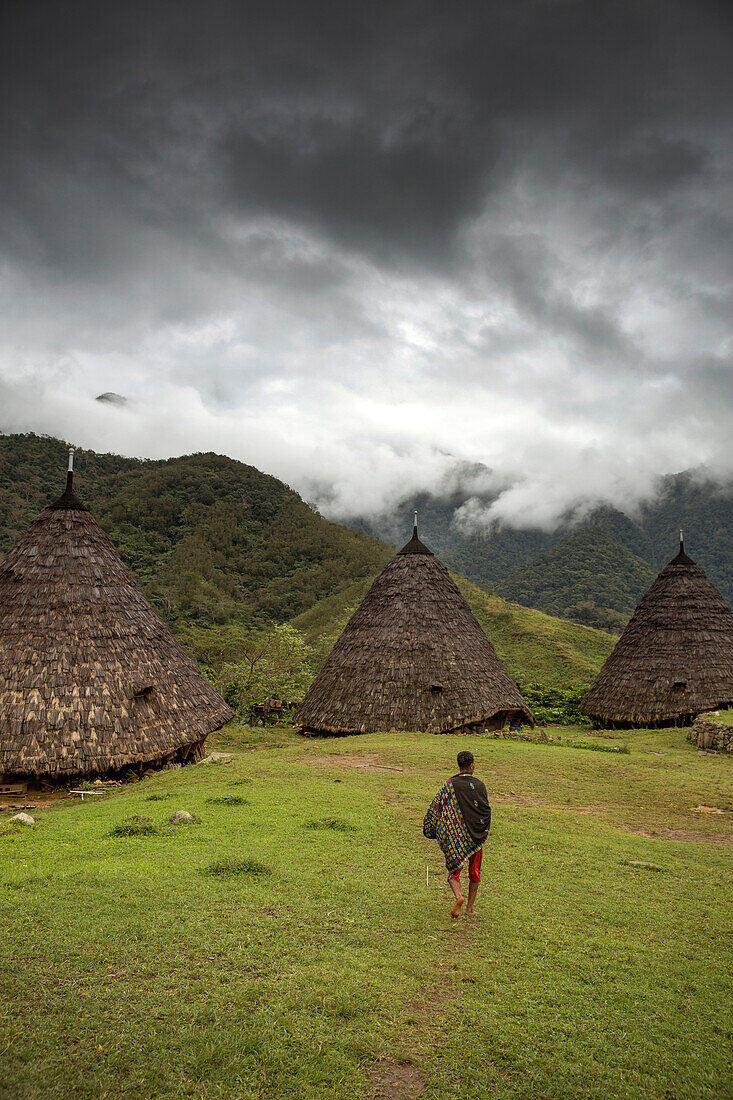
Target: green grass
[[536, 648], [131, 970]]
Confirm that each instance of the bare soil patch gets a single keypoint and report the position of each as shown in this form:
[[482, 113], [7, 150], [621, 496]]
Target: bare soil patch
[[394, 1082], [680, 834], [369, 761], [403, 1081]]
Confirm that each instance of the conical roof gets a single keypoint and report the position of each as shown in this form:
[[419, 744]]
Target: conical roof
[[91, 680], [675, 657], [412, 657]]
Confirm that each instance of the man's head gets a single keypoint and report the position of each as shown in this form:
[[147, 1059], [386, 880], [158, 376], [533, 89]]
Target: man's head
[[465, 760]]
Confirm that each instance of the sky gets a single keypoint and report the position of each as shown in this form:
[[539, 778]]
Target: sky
[[376, 248]]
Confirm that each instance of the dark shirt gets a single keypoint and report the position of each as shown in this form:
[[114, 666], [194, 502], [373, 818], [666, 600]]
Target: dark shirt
[[474, 805]]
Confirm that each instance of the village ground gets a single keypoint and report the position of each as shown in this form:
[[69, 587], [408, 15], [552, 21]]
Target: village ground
[[320, 961]]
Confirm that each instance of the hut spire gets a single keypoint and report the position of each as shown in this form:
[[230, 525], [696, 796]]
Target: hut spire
[[682, 558], [414, 546], [68, 498], [70, 472]]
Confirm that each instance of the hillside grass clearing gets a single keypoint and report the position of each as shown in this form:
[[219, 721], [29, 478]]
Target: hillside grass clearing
[[598, 964]]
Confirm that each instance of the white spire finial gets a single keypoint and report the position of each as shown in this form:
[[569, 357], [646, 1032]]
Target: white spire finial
[[71, 460], [416, 519]]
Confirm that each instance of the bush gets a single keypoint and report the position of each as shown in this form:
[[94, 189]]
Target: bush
[[229, 867], [331, 823], [556, 706], [247, 667], [134, 826], [228, 800]]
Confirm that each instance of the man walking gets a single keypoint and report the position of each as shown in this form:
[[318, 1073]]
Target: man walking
[[459, 818]]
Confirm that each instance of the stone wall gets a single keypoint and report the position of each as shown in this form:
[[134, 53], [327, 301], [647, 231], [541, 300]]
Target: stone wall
[[707, 734]]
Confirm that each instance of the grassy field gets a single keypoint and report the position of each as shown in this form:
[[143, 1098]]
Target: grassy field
[[536, 648], [296, 942]]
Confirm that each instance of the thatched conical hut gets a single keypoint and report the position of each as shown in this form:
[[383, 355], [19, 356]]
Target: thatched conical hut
[[412, 657], [91, 680], [673, 661]]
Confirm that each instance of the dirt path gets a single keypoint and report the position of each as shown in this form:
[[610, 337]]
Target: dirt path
[[425, 1023], [424, 1019], [369, 761]]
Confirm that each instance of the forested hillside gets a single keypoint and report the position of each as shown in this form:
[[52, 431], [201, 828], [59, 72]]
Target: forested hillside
[[589, 577]]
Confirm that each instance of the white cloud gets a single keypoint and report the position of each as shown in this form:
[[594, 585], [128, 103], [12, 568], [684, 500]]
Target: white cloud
[[368, 286]]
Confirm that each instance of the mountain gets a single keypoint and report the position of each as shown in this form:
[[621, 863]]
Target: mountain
[[541, 569], [589, 576]]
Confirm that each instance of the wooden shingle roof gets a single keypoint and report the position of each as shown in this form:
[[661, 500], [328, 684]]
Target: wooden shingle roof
[[412, 657], [91, 679]]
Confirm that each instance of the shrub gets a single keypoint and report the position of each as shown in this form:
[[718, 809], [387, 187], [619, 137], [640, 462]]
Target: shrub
[[134, 826], [556, 706], [228, 867], [331, 823], [228, 800]]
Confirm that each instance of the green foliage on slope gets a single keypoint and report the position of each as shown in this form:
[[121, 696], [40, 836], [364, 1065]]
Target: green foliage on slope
[[537, 648], [589, 577]]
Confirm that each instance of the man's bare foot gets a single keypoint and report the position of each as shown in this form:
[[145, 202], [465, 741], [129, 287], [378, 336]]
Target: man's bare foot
[[456, 910], [469, 912]]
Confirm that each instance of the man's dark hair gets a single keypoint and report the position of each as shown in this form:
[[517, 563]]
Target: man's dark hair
[[465, 759]]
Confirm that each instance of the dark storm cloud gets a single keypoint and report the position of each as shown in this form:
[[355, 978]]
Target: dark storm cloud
[[480, 220], [383, 124]]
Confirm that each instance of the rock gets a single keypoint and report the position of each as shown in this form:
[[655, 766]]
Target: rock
[[217, 758], [181, 817], [23, 819]]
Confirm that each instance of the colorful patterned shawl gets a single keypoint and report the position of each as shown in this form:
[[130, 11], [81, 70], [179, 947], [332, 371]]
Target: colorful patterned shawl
[[444, 823]]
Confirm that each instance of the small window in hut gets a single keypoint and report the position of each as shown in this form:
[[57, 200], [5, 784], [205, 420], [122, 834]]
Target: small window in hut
[[435, 688], [144, 691], [679, 684]]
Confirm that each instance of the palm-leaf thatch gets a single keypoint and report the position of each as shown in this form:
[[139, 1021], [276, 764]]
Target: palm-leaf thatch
[[412, 657], [673, 661], [91, 680]]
